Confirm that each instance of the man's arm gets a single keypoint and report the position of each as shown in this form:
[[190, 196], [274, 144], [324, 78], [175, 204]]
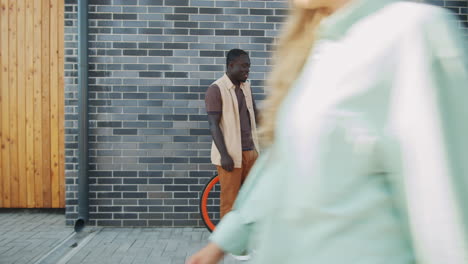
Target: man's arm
[[226, 161], [214, 102], [256, 114], [255, 111]]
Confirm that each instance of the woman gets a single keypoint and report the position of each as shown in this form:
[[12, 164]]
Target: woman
[[367, 142]]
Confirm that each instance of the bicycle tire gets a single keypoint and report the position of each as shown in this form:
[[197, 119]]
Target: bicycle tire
[[203, 207]]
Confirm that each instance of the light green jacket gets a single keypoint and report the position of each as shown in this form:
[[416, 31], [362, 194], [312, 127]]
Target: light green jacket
[[370, 162]]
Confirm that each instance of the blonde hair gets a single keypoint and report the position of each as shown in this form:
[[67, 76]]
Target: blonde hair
[[292, 50]]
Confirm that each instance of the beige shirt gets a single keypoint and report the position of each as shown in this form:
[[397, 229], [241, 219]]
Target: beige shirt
[[231, 120]]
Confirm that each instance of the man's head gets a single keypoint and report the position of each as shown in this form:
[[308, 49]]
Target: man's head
[[238, 65]]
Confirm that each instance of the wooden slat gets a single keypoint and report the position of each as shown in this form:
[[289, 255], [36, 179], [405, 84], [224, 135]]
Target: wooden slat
[[46, 190], [46, 104], [54, 138], [3, 56], [29, 40], [5, 106], [37, 76], [13, 118], [61, 102], [21, 104]]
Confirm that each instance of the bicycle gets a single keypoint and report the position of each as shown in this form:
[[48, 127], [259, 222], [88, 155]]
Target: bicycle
[[209, 203]]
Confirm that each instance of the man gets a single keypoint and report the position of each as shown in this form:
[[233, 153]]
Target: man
[[232, 117]]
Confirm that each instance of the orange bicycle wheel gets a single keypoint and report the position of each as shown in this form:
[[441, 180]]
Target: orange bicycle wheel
[[209, 203]]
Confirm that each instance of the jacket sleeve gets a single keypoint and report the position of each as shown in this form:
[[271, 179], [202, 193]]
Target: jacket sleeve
[[428, 120]]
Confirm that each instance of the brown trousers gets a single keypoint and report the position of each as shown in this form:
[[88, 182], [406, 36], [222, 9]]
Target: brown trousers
[[231, 181]]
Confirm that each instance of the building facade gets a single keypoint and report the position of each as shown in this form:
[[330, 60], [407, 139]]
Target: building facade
[[150, 63]]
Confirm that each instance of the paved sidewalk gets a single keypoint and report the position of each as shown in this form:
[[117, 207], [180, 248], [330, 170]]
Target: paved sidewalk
[[26, 237], [43, 238]]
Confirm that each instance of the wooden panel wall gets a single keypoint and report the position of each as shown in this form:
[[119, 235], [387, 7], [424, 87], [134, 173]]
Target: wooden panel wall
[[32, 104]]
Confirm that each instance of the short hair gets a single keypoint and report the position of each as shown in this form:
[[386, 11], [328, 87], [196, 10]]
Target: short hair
[[234, 54]]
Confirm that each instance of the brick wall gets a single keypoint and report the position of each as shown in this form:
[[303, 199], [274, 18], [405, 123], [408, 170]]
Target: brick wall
[[150, 62]]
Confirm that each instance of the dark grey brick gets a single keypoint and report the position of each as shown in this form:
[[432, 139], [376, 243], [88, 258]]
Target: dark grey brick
[[200, 160], [135, 223], [204, 10], [109, 195], [135, 95], [185, 194], [135, 181], [176, 2], [186, 96], [212, 25], [116, 223], [186, 24], [109, 181], [161, 223], [100, 16], [150, 173], [175, 45], [151, 2], [160, 181], [144, 45], [135, 52], [161, 208], [135, 67], [135, 195], [198, 118], [176, 31], [124, 16], [186, 10], [175, 160], [123, 31], [157, 31], [274, 19], [150, 74], [150, 160], [185, 139], [226, 32], [252, 33], [125, 202], [236, 11], [125, 188], [150, 202], [201, 32], [151, 216], [125, 131], [160, 52], [125, 216], [176, 17], [211, 53], [110, 209], [176, 74], [199, 132]]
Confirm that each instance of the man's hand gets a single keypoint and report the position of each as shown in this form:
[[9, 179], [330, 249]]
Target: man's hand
[[227, 163], [211, 254]]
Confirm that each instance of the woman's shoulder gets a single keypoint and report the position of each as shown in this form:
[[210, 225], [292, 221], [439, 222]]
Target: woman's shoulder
[[411, 15], [435, 26], [409, 24]]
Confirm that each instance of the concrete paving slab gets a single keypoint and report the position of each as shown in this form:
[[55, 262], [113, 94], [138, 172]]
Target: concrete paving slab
[[39, 238]]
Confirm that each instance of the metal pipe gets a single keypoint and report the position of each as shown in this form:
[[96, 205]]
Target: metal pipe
[[83, 187]]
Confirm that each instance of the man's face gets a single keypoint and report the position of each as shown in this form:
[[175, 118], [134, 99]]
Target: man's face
[[239, 68]]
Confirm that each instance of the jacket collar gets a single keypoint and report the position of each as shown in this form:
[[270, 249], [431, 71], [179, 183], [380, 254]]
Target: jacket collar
[[226, 82]]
